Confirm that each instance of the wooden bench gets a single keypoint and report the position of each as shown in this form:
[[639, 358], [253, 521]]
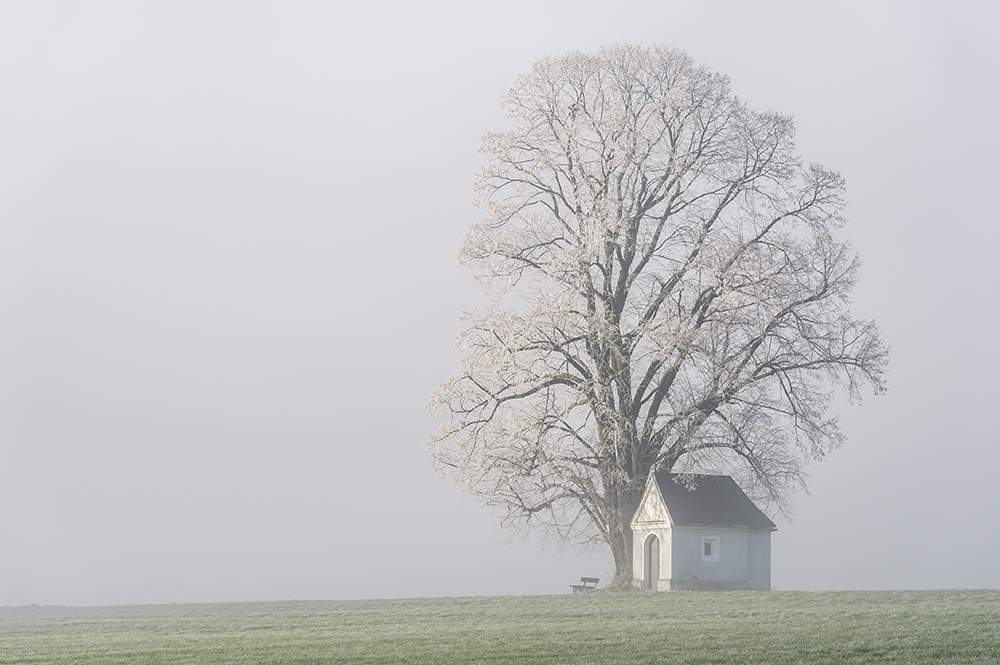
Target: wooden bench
[[587, 584]]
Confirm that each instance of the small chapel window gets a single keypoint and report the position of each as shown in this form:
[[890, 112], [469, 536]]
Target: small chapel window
[[710, 549]]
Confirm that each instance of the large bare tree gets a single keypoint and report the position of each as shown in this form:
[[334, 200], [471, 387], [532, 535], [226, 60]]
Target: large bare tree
[[669, 292]]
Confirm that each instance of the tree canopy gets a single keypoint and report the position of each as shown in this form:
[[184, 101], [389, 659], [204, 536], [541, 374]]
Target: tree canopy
[[669, 292]]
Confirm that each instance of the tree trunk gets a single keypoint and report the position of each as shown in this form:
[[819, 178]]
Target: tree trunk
[[620, 537], [621, 549]]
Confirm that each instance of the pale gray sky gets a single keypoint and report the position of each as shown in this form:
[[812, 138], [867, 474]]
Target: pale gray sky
[[228, 286]]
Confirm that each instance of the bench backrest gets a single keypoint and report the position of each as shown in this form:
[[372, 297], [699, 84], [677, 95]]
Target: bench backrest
[[590, 580]]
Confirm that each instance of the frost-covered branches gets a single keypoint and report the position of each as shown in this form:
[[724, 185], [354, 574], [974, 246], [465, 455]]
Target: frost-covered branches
[[683, 298]]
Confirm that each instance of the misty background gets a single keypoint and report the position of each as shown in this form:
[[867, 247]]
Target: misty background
[[228, 287]]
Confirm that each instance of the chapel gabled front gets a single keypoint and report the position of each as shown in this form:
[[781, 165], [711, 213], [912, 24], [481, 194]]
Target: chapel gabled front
[[652, 508]]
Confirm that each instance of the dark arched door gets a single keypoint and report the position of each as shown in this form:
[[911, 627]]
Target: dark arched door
[[651, 574]]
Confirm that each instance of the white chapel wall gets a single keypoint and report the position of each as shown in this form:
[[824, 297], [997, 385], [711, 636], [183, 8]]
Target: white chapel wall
[[759, 561], [688, 564], [639, 537]]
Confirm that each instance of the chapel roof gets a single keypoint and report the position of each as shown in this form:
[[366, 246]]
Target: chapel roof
[[712, 501]]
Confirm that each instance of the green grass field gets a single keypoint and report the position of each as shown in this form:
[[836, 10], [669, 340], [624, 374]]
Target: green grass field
[[733, 627]]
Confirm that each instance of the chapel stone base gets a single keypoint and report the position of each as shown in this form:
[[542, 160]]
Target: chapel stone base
[[698, 585]]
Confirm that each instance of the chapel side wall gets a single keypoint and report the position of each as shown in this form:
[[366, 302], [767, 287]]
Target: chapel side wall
[[759, 560], [688, 570]]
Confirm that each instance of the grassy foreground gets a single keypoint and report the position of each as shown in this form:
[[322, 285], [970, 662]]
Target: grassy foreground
[[733, 627]]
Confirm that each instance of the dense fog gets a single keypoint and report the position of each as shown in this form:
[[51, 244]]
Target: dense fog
[[227, 267]]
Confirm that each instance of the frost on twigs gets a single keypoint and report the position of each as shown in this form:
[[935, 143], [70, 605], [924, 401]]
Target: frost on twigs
[[680, 299]]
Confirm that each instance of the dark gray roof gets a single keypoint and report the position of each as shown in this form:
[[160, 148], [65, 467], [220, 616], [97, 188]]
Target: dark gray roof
[[713, 501]]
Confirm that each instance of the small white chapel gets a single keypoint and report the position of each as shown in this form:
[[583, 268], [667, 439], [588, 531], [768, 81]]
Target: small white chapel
[[702, 533]]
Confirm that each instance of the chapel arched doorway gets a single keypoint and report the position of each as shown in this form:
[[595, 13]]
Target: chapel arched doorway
[[651, 561]]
